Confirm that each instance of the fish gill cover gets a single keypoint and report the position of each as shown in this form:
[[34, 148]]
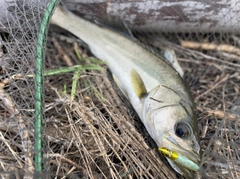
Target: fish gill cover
[[89, 131]]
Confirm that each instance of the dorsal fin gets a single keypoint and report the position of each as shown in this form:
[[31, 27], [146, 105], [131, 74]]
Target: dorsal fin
[[116, 24], [156, 51], [159, 52]]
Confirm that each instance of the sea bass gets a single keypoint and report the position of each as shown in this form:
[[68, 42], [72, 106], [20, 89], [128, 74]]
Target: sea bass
[[153, 87]]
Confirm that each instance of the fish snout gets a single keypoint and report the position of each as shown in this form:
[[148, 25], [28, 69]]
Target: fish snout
[[185, 160]]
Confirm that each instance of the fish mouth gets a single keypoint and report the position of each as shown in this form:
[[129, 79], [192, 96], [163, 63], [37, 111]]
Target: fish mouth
[[172, 150]]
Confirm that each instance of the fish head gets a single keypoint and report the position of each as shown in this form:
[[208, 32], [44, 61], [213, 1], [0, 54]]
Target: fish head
[[170, 119]]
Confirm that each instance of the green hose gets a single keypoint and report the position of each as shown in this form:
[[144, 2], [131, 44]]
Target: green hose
[[38, 113]]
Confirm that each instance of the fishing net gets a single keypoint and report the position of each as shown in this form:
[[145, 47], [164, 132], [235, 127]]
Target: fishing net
[[89, 128]]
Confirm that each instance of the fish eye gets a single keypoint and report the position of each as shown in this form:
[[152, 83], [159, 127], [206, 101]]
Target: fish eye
[[182, 130]]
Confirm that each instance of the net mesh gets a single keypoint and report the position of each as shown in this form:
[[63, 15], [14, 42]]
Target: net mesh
[[90, 131]]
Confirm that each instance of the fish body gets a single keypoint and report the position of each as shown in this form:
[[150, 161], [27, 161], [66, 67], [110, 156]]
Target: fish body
[[155, 90]]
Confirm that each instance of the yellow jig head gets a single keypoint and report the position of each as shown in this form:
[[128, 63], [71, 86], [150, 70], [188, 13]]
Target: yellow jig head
[[178, 158]]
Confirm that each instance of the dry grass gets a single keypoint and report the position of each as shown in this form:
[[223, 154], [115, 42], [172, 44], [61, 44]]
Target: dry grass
[[97, 135]]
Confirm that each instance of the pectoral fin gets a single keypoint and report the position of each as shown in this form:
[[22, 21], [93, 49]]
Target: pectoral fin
[[137, 84]]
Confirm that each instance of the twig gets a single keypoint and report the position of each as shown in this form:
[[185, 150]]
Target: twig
[[22, 130], [226, 55], [204, 130], [219, 114], [65, 159], [10, 79], [62, 52], [213, 87], [210, 46], [236, 39], [11, 150], [158, 42], [69, 172], [228, 165], [1, 45]]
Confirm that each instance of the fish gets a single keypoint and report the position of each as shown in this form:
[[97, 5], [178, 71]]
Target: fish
[[154, 88]]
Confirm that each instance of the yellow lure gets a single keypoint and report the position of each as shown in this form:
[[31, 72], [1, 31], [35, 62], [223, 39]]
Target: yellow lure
[[178, 158]]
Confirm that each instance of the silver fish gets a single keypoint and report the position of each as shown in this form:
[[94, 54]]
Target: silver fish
[[154, 88]]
